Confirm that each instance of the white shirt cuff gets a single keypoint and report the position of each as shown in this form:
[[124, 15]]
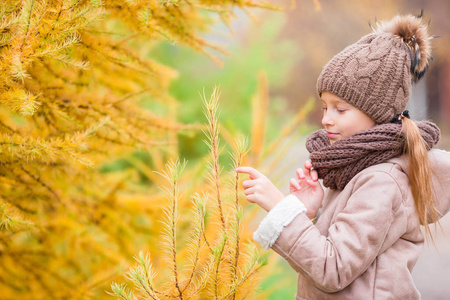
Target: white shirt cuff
[[278, 217]]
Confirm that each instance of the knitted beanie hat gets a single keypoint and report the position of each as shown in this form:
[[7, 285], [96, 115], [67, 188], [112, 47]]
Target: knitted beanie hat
[[375, 73]]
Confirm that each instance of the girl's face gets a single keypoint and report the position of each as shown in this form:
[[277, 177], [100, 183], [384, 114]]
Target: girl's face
[[341, 119]]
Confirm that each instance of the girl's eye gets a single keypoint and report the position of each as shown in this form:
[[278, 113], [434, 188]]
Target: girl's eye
[[324, 108], [341, 110]]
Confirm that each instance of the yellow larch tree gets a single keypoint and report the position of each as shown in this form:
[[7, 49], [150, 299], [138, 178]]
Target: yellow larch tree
[[72, 76]]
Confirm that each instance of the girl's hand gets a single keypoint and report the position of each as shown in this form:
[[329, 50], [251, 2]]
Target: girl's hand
[[308, 189], [259, 189]]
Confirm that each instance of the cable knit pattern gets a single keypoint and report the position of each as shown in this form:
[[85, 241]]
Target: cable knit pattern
[[372, 74], [278, 217], [375, 73], [339, 162]]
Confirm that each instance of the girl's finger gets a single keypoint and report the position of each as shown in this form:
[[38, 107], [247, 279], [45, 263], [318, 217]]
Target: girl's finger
[[253, 173], [251, 198], [314, 175], [295, 184], [248, 183], [300, 174], [312, 183], [249, 191], [307, 172], [308, 164]]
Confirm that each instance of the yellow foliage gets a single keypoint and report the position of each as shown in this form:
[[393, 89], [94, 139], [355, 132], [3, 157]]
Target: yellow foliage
[[72, 76], [214, 261]]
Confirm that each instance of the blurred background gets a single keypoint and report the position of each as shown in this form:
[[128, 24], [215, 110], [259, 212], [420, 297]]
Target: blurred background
[[291, 47]]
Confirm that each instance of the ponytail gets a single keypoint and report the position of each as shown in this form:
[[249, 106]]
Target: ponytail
[[419, 174]]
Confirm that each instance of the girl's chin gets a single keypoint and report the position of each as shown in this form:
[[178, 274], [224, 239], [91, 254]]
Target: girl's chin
[[333, 140]]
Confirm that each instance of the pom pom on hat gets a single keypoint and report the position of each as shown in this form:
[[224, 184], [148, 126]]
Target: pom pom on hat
[[413, 33], [375, 73]]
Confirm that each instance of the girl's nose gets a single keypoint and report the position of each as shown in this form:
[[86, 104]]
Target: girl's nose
[[326, 119]]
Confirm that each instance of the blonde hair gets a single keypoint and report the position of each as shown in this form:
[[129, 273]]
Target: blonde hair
[[419, 174]]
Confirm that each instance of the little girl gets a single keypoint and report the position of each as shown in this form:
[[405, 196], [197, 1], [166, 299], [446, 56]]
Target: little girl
[[382, 179]]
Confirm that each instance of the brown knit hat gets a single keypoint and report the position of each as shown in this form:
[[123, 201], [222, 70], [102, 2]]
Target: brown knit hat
[[375, 73]]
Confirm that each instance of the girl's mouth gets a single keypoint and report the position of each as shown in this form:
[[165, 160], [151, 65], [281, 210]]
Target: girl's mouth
[[332, 135]]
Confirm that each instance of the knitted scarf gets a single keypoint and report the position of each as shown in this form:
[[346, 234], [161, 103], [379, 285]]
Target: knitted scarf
[[337, 163]]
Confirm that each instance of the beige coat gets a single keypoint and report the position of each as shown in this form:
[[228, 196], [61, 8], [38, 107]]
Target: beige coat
[[368, 238]]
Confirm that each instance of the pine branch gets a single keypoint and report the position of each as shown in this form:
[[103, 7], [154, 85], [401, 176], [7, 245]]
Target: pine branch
[[250, 269], [121, 291], [57, 47], [8, 222], [205, 274], [212, 141], [25, 19], [53, 73], [199, 230], [142, 276], [172, 174], [207, 243], [117, 61], [218, 252], [66, 60], [20, 100], [241, 148]]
